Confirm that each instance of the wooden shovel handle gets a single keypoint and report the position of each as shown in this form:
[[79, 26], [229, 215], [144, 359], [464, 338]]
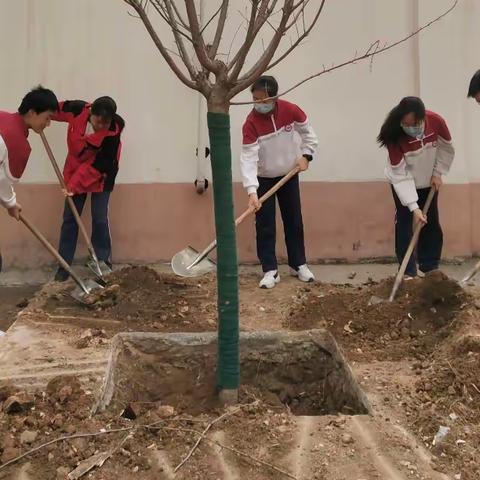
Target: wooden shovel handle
[[268, 194], [246, 213], [70, 201], [51, 249], [411, 246]]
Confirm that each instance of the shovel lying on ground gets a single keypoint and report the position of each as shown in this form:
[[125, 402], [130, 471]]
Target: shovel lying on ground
[[100, 269], [190, 263], [411, 247], [83, 287], [471, 274]]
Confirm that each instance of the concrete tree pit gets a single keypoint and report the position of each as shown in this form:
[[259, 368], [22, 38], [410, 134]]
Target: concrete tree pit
[[304, 370]]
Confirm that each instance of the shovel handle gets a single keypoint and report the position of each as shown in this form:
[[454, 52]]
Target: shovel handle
[[268, 194], [70, 201], [411, 246], [52, 250], [247, 212]]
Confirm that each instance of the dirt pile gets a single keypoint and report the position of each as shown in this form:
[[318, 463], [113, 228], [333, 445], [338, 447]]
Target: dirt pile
[[143, 300], [366, 324]]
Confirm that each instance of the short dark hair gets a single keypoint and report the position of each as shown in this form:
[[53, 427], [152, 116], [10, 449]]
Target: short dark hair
[[104, 107], [391, 130], [474, 86], [266, 83], [39, 100]]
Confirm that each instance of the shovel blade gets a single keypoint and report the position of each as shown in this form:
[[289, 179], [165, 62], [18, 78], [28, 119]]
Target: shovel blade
[[79, 294], [182, 260], [101, 270]]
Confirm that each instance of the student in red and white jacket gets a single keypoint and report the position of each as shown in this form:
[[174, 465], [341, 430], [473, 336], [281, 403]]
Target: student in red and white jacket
[[34, 113], [420, 153], [270, 150], [94, 147]]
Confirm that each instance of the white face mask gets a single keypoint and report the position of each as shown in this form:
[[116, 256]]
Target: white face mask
[[415, 132], [263, 107]]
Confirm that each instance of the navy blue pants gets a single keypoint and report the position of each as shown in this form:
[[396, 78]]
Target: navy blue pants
[[101, 240], [290, 207], [430, 241]]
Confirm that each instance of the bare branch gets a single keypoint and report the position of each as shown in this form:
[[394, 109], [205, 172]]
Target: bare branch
[[140, 9], [219, 32], [198, 43], [210, 20], [233, 40], [258, 17], [262, 63], [178, 39], [252, 30], [179, 16], [169, 20], [300, 38], [373, 49]]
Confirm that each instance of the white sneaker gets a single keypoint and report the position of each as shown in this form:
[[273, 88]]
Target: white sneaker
[[270, 279], [303, 273]]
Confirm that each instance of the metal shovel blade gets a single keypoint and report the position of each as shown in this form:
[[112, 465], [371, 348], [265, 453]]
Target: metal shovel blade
[[182, 260], [79, 293], [100, 270]]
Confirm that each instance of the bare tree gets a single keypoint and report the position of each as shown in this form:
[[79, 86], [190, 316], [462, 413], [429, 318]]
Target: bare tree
[[200, 63]]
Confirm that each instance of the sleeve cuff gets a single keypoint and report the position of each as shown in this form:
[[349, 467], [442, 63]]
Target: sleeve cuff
[[251, 189], [413, 206], [10, 203], [307, 152]]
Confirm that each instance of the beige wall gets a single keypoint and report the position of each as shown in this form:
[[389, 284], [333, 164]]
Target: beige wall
[[87, 48]]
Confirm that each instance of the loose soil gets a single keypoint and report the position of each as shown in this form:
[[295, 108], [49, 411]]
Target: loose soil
[[12, 300], [418, 357], [422, 315]]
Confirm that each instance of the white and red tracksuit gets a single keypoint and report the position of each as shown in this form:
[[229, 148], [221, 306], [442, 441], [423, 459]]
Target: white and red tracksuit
[[412, 161], [410, 167], [270, 150], [14, 153]]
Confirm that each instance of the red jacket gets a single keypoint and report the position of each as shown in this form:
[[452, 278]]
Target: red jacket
[[92, 159], [14, 133]]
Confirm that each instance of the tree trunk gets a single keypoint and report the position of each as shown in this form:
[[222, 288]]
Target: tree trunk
[[228, 366]]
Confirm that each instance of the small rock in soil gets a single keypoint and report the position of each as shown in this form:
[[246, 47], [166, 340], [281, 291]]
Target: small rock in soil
[[347, 439], [166, 411], [28, 436]]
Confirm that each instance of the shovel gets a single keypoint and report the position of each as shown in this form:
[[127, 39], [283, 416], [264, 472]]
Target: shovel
[[411, 247], [190, 263], [100, 269], [83, 288], [471, 274]]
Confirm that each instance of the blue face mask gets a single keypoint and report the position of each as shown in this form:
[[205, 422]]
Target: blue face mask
[[263, 107], [415, 132]]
